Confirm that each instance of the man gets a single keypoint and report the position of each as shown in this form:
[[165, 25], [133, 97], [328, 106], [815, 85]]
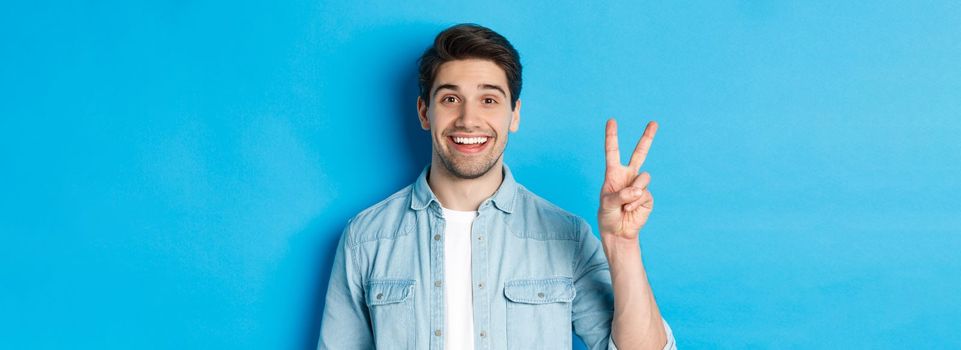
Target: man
[[466, 258]]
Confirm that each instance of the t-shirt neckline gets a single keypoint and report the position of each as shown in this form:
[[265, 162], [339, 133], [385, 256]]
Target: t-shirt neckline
[[458, 215]]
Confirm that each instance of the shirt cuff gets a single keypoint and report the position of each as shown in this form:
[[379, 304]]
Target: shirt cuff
[[670, 337], [667, 330]]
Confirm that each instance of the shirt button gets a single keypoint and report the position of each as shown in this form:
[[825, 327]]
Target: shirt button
[[483, 334], [436, 237], [480, 238], [380, 296], [437, 283], [437, 332], [540, 295], [480, 285]]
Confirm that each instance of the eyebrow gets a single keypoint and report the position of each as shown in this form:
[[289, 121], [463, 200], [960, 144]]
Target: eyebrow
[[479, 86], [492, 87]]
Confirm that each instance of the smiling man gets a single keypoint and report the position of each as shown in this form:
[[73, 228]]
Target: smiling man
[[467, 258]]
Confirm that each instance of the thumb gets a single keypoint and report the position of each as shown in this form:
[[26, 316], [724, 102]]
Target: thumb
[[614, 200]]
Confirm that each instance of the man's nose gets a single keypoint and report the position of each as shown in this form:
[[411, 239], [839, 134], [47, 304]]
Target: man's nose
[[469, 116]]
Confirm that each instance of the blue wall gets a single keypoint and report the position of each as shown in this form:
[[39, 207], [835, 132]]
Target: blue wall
[[175, 175]]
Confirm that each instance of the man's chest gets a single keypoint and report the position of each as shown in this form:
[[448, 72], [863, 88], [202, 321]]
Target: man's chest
[[521, 285]]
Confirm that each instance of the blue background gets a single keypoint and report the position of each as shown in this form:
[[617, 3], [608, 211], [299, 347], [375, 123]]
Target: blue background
[[175, 174]]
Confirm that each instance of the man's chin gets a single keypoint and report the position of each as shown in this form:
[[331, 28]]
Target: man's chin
[[469, 172]]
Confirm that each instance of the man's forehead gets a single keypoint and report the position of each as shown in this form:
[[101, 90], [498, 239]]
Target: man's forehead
[[470, 73]]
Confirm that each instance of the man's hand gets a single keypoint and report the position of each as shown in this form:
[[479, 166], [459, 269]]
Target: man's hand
[[625, 201]]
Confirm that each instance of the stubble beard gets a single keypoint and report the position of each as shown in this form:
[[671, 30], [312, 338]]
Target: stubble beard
[[466, 168]]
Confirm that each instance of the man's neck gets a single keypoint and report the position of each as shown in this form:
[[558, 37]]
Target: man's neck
[[463, 194]]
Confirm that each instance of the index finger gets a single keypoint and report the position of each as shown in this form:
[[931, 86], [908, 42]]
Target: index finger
[[643, 146], [610, 144]]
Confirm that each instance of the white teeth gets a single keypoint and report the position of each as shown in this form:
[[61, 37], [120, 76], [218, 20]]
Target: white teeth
[[470, 140]]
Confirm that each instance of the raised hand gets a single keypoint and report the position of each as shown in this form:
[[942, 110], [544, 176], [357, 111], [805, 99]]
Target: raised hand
[[625, 201]]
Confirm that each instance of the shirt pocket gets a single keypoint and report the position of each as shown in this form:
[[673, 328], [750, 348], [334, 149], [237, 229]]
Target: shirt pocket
[[391, 305], [539, 313]]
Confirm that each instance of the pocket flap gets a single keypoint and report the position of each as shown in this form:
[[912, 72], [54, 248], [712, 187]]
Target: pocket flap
[[380, 292], [541, 291]]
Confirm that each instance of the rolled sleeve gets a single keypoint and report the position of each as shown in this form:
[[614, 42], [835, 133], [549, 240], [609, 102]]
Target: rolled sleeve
[[667, 330]]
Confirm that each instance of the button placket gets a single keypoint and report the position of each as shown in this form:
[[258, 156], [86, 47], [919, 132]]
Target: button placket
[[479, 262], [437, 272]]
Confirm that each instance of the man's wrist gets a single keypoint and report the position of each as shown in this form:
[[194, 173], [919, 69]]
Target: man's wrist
[[617, 243], [619, 238]]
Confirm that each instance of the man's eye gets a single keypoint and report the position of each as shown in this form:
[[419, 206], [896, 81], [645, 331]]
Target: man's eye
[[450, 99], [490, 100]]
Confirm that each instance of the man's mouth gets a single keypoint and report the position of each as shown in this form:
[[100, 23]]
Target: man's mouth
[[469, 144]]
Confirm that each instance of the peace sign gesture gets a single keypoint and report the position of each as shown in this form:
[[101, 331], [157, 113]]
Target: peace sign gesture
[[625, 201]]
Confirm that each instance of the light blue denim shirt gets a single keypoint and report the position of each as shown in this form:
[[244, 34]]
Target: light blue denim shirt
[[538, 273]]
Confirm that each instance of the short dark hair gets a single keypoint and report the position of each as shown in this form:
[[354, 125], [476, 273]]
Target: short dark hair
[[468, 40]]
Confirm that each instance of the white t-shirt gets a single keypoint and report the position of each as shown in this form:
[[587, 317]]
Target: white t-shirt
[[458, 287]]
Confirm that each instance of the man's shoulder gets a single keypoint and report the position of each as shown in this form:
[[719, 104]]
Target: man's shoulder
[[539, 218], [386, 219]]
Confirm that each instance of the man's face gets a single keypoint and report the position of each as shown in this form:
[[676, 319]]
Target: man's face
[[469, 116]]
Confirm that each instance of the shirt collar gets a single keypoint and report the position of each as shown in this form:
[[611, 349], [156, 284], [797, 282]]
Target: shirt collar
[[503, 199]]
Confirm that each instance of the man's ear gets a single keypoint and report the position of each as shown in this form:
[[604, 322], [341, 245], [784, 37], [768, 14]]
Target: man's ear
[[422, 114], [516, 117]]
